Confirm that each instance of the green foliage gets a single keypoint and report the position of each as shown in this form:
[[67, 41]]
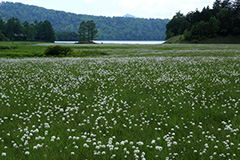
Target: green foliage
[[83, 32], [15, 31], [57, 51], [67, 36], [109, 28], [87, 31], [176, 26], [222, 20], [47, 31], [44, 31]]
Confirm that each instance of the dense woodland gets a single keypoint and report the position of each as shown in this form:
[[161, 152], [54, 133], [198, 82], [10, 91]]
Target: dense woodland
[[66, 24], [15, 31], [222, 20]]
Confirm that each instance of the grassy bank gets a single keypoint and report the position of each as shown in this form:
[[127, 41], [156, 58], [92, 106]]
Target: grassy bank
[[215, 40]]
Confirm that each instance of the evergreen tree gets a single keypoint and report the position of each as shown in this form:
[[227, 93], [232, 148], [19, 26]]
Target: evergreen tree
[[226, 4], [236, 7], [82, 32], [48, 32], [217, 5], [2, 30], [14, 29], [222, 20], [87, 31], [177, 25], [29, 31], [92, 31]]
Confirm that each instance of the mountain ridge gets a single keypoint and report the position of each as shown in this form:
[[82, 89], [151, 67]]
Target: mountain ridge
[[110, 28], [129, 16]]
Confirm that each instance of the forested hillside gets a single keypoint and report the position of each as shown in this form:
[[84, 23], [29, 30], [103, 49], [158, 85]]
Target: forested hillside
[[222, 20], [109, 28]]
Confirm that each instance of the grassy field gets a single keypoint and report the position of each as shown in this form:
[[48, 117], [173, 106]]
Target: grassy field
[[170, 101]]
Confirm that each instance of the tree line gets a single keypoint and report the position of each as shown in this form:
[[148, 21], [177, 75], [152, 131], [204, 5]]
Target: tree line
[[222, 20], [14, 30], [66, 25], [42, 31]]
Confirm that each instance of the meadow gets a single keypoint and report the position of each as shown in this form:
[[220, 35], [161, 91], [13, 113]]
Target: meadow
[[169, 101]]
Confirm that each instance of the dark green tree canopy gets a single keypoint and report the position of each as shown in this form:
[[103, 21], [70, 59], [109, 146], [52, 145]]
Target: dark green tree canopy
[[14, 30], [87, 31], [82, 32], [222, 20]]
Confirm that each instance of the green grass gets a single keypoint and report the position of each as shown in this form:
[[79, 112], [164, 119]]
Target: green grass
[[177, 101], [37, 49], [21, 49]]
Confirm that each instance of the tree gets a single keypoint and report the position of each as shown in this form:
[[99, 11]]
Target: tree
[[236, 17], [237, 5], [44, 31], [177, 25], [200, 30], [49, 34], [226, 4], [92, 31], [82, 32], [2, 30], [214, 26], [226, 20], [14, 29], [206, 14], [217, 5], [29, 31], [87, 31]]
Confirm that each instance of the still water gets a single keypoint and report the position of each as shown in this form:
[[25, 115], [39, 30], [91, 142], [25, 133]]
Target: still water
[[116, 42]]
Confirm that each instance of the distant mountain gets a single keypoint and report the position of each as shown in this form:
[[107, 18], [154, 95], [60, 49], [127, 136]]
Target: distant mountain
[[129, 16], [110, 28]]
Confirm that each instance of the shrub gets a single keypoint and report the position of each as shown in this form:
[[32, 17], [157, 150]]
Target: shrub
[[57, 51]]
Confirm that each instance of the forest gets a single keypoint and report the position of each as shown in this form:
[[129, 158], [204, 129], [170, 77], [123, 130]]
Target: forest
[[223, 19], [15, 31], [66, 24]]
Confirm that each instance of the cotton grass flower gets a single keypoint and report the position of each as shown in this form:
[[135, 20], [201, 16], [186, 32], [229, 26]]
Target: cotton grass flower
[[4, 154]]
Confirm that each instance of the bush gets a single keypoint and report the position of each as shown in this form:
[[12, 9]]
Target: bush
[[57, 51]]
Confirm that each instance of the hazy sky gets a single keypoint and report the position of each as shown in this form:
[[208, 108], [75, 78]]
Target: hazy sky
[[138, 8]]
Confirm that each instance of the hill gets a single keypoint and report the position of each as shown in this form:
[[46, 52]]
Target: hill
[[129, 16], [110, 28]]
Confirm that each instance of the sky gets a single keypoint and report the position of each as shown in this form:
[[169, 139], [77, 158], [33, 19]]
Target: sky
[[138, 8]]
